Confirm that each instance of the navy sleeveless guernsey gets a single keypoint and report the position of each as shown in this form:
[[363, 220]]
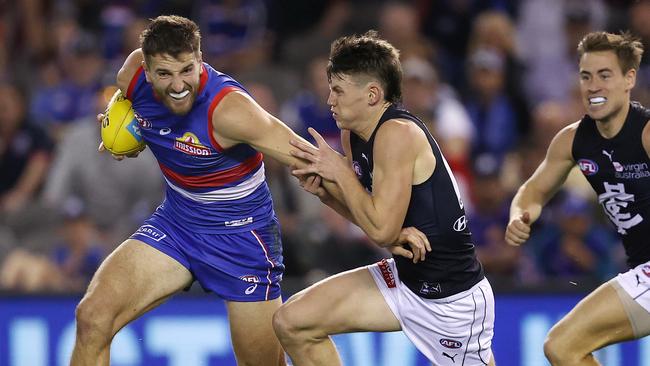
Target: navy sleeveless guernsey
[[435, 209], [618, 170]]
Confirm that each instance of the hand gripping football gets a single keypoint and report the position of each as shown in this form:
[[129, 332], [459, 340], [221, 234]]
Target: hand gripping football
[[120, 129]]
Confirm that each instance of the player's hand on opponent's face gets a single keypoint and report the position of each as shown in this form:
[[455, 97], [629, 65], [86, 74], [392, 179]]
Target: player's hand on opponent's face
[[323, 160], [100, 148], [416, 240], [518, 230]]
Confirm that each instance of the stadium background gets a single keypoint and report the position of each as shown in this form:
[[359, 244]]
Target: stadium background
[[493, 79]]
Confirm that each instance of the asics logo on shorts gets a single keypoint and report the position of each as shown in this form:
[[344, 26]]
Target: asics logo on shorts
[[250, 289], [252, 279]]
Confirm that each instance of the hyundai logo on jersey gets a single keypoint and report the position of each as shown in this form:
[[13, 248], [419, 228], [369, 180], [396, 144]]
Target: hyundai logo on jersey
[[460, 224]]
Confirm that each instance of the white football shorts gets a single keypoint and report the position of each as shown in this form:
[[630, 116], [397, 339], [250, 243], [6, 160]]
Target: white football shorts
[[456, 330], [636, 284]]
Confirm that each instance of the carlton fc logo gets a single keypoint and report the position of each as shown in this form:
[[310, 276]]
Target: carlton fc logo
[[588, 167], [357, 169], [190, 144]]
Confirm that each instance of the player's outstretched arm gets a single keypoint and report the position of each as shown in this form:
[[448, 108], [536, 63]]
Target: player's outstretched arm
[[410, 237], [238, 119], [381, 214], [541, 186]]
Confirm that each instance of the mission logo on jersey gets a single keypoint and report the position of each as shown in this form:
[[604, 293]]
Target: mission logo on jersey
[[190, 144]]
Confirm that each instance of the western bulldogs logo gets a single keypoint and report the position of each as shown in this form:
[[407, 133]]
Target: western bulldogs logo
[[588, 167], [144, 124]]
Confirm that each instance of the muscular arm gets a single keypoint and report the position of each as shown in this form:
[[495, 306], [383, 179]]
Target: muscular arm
[[527, 204], [238, 119], [381, 215], [131, 65]]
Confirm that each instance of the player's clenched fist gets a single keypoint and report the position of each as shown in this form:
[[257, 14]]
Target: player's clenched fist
[[518, 230]]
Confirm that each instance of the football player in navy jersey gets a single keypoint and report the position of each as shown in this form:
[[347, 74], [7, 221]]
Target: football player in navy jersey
[[611, 146], [393, 175], [216, 225]]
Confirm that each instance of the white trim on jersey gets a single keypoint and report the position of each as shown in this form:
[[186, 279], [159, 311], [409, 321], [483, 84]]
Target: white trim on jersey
[[466, 340], [239, 191], [451, 176]]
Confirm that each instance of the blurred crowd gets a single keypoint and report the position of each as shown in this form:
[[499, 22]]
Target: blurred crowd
[[494, 80]]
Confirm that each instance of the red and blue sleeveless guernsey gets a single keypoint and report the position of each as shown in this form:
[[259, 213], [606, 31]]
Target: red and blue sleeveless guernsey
[[209, 189]]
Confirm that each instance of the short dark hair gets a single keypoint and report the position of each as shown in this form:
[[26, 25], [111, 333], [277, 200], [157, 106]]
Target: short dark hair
[[628, 48], [368, 54], [170, 34]]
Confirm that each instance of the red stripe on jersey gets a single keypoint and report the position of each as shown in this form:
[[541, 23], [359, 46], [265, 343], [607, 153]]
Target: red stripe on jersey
[[134, 81], [215, 101], [204, 78], [216, 179]]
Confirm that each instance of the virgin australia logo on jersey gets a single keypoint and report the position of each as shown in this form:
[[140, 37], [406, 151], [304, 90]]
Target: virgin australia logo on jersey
[[632, 171]]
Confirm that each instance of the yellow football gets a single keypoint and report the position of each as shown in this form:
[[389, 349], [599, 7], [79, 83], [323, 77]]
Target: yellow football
[[120, 129]]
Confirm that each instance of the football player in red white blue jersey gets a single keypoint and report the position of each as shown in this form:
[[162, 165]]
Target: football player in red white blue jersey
[[216, 225]]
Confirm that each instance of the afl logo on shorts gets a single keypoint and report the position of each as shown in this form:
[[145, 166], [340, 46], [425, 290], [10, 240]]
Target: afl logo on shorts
[[460, 224], [588, 167], [450, 343]]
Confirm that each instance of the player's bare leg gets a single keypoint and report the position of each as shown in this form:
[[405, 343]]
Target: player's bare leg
[[347, 302], [251, 329], [132, 280], [597, 321]]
